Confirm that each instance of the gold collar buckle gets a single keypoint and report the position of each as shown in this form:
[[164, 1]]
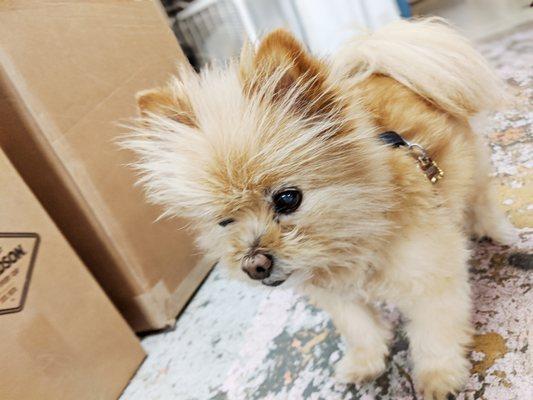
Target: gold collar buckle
[[425, 163]]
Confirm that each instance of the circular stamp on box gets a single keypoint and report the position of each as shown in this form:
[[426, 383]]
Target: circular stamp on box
[[18, 252]]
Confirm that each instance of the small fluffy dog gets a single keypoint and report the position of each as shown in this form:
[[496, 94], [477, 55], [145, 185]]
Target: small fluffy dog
[[283, 164]]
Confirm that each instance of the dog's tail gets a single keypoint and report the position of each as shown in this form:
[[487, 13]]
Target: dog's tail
[[428, 57]]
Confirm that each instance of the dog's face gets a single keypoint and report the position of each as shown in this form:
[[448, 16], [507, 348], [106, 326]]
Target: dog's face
[[276, 170]]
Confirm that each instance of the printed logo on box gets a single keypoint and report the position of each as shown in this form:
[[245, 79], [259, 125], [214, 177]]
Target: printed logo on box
[[17, 256]]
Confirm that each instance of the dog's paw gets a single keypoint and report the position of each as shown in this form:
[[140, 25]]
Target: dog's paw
[[505, 233], [360, 366], [442, 383]]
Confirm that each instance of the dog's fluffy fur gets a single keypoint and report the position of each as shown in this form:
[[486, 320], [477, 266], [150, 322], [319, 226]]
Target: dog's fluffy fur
[[371, 227]]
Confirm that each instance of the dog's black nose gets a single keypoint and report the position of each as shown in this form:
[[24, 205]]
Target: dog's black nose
[[258, 266]]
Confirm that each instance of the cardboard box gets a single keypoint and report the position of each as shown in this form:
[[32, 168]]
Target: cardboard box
[[61, 336], [69, 71]]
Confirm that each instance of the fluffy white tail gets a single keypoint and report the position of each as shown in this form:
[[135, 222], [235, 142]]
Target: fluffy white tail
[[428, 57]]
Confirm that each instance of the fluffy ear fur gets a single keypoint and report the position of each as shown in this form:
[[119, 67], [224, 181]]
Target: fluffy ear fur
[[296, 73], [167, 102]]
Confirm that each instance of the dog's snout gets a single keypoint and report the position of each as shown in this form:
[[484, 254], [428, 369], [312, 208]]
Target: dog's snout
[[258, 266]]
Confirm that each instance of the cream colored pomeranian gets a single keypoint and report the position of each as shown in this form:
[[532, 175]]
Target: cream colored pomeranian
[[357, 179]]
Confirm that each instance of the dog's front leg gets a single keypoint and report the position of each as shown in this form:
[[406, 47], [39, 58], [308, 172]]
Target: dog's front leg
[[437, 307], [366, 335], [439, 333]]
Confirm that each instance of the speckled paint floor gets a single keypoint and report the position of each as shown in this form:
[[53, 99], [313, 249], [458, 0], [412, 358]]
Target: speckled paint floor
[[238, 342]]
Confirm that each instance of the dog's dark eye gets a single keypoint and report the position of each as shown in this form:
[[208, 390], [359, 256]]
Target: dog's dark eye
[[226, 222], [287, 201]]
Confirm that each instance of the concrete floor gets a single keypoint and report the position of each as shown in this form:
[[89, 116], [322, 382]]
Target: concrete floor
[[478, 19], [236, 341]]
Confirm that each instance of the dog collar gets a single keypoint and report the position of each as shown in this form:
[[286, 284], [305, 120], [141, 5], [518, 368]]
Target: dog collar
[[424, 162]]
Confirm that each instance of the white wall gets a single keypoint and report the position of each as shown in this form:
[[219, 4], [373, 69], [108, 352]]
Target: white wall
[[327, 23]]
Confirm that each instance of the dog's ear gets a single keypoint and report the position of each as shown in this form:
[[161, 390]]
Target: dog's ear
[[167, 102], [282, 57]]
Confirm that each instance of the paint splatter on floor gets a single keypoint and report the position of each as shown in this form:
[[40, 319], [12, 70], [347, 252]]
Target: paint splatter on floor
[[238, 342]]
